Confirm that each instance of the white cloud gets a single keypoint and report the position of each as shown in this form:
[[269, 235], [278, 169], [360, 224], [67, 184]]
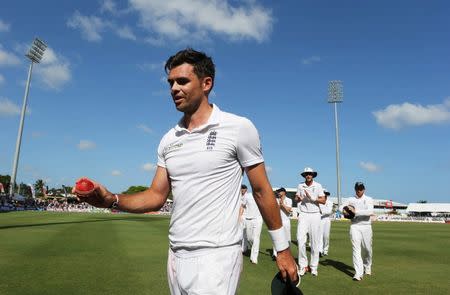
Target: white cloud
[[152, 67], [145, 128], [54, 71], [90, 26], [269, 169], [408, 114], [8, 108], [2, 79], [148, 167], [7, 58], [108, 6], [126, 33], [4, 27], [154, 41], [311, 59], [175, 19], [369, 166], [86, 145], [116, 173]]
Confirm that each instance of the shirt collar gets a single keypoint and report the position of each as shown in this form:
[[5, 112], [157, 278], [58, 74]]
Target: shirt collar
[[213, 119]]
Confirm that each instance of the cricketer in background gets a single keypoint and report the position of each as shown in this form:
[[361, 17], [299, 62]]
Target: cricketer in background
[[325, 224], [309, 195], [285, 204], [361, 231]]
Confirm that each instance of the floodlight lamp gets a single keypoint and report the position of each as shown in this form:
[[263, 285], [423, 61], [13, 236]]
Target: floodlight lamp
[[36, 51], [335, 92]]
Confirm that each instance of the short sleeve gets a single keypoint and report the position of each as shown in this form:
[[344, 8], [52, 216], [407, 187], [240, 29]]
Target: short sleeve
[[249, 150], [321, 193], [161, 158], [299, 191]]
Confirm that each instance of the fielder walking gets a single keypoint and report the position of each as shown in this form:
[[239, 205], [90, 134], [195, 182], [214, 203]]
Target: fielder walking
[[309, 195], [285, 204], [242, 214], [201, 161], [325, 224], [253, 225], [360, 230]]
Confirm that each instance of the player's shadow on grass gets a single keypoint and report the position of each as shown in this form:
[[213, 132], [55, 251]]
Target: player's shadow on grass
[[347, 269], [76, 222]]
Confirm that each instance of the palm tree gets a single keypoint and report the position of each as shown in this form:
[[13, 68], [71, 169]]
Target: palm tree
[[39, 188]]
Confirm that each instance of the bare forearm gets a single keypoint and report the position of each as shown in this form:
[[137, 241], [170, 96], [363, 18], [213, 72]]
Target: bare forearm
[[268, 207], [142, 202]]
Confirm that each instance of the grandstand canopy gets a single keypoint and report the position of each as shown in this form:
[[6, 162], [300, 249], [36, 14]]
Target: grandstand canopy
[[428, 207]]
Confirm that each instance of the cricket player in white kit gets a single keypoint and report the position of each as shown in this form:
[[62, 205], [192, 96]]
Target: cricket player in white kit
[[309, 195], [202, 160], [253, 225], [361, 231], [325, 224], [242, 218], [285, 204]]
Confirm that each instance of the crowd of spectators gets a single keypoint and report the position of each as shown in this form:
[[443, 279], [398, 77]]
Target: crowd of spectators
[[58, 205]]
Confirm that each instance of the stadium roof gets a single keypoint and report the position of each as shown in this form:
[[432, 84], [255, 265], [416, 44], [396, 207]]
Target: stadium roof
[[429, 207]]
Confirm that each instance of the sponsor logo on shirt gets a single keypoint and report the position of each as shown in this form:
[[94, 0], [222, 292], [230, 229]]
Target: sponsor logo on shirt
[[173, 146], [211, 140]]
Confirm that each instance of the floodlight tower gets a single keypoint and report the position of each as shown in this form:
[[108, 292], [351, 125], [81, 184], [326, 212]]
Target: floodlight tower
[[34, 54], [335, 96]]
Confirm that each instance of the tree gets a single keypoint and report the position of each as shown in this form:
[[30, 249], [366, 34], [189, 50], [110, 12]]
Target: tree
[[135, 189], [6, 181], [25, 190], [39, 188]]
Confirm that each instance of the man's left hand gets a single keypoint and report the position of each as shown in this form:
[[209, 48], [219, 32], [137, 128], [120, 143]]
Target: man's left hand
[[287, 266]]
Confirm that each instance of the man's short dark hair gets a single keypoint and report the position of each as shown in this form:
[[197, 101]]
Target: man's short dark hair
[[281, 189], [359, 186], [203, 64], [243, 186]]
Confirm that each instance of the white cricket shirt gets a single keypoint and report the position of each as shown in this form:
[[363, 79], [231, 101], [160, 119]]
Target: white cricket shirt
[[205, 167], [327, 209], [251, 209], [363, 209], [284, 216], [307, 205]]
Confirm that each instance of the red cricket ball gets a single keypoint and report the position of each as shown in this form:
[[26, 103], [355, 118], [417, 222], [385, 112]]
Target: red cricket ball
[[84, 185]]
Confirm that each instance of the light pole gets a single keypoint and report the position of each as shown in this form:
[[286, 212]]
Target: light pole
[[335, 96], [34, 55]]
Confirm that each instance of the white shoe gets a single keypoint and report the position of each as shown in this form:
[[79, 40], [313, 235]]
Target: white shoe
[[302, 271], [314, 273], [368, 272], [356, 278]]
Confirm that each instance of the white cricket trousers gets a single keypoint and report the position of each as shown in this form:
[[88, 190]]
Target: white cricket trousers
[[361, 237], [253, 232], [325, 226], [214, 271], [244, 244], [308, 223]]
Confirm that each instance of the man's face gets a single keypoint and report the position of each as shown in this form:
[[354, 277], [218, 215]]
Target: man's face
[[359, 192], [243, 191], [308, 177], [186, 88]]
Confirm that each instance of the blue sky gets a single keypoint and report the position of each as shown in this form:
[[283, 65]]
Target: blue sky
[[99, 102]]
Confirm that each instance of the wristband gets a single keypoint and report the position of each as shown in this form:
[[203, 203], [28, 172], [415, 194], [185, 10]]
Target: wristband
[[115, 203], [279, 239]]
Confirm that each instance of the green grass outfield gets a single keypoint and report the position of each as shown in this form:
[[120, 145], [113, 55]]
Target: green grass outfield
[[77, 253]]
